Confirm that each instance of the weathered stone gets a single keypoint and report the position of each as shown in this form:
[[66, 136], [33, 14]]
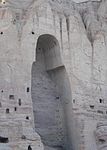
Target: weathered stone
[[53, 74]]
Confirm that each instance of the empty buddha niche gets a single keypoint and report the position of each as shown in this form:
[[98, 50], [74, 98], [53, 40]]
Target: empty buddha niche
[[48, 102], [53, 74]]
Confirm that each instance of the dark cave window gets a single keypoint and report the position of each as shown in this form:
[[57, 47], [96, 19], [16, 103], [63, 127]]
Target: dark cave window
[[101, 141], [15, 109], [33, 32], [29, 147], [4, 140], [73, 100], [57, 97], [27, 117], [92, 106], [20, 103], [101, 100], [1, 33], [11, 96], [100, 112], [7, 111], [28, 89], [2, 91]]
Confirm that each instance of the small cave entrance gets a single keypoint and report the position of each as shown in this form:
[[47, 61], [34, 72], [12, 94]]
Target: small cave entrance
[[51, 96], [4, 139]]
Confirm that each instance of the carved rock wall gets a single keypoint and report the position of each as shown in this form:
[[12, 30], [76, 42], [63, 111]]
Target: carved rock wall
[[80, 29]]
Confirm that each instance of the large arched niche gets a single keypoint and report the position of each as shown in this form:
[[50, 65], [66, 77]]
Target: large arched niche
[[51, 95], [51, 50]]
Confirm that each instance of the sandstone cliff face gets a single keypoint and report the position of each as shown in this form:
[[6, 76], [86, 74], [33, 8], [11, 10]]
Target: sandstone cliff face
[[73, 39]]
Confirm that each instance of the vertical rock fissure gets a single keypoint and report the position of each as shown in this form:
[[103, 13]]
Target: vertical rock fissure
[[68, 28], [60, 22]]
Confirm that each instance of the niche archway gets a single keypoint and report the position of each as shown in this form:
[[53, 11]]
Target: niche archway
[[51, 95]]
